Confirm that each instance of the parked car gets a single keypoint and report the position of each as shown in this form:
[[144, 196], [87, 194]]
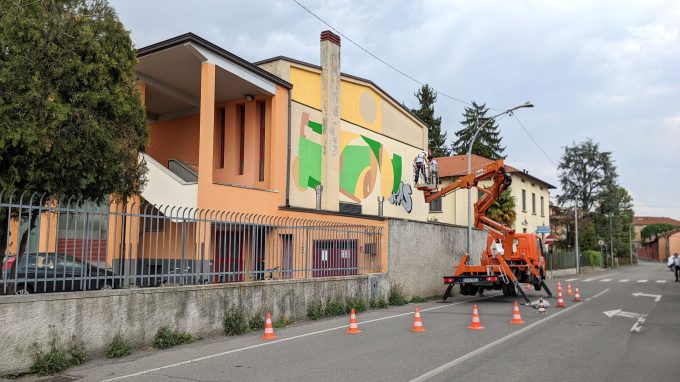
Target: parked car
[[52, 272]]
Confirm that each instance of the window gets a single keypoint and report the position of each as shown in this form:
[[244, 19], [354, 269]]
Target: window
[[533, 203], [524, 200], [261, 110], [524, 230], [542, 209], [436, 205], [242, 137], [220, 123]]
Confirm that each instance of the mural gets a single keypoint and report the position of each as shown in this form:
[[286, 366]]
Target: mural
[[364, 165]]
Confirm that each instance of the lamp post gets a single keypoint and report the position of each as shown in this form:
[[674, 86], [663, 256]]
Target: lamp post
[[630, 242], [469, 164], [578, 267]]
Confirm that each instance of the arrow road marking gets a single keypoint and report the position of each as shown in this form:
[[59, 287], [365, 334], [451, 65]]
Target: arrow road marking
[[638, 324], [619, 312], [657, 297]]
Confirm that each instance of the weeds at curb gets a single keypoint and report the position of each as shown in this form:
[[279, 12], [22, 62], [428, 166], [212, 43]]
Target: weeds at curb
[[118, 347], [166, 338]]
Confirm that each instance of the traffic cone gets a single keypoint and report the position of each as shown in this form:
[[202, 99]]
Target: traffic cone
[[569, 289], [541, 306], [269, 329], [353, 327], [577, 296], [417, 323], [560, 300], [475, 325], [559, 286], [516, 317]]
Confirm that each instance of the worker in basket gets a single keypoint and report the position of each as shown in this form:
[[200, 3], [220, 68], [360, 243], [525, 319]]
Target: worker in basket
[[497, 248]]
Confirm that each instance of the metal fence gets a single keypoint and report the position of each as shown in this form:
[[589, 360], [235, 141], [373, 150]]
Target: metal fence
[[67, 244], [567, 259]]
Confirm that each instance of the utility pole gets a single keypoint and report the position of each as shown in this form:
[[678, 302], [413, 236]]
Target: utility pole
[[611, 239], [578, 268]]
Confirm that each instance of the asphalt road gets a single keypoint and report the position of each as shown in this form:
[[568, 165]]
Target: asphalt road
[[578, 342]]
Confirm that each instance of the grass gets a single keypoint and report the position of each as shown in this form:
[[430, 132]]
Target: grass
[[397, 296], [282, 322], [235, 323], [57, 358], [315, 310], [358, 304], [379, 303], [166, 338], [256, 322], [118, 347], [334, 308]]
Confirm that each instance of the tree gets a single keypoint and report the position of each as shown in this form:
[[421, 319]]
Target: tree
[[503, 209], [71, 119], [615, 203], [653, 231], [585, 173], [427, 97], [488, 142]]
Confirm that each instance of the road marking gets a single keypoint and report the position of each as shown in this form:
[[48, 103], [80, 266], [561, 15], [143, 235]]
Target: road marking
[[638, 324], [619, 312], [288, 339], [624, 280], [657, 297], [590, 279], [605, 280], [570, 279], [642, 281], [493, 344], [661, 281], [603, 276]]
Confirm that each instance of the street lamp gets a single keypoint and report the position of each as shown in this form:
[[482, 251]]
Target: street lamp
[[469, 164], [630, 241], [578, 267]]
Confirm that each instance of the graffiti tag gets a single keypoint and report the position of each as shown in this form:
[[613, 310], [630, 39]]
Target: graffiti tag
[[403, 197]]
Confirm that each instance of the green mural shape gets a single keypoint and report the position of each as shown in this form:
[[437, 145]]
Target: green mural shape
[[396, 167], [315, 126], [375, 147], [309, 163], [354, 160]]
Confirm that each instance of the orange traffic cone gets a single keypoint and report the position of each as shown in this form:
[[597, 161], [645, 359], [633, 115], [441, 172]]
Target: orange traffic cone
[[475, 325], [569, 289], [353, 327], [577, 296], [417, 323], [541, 306], [516, 317], [559, 286], [560, 300], [269, 329]]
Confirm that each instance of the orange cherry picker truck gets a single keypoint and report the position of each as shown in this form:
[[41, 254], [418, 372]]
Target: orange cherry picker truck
[[521, 259]]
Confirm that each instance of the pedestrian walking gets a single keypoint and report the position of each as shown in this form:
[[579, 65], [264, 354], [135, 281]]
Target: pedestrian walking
[[676, 263], [434, 171], [419, 166]]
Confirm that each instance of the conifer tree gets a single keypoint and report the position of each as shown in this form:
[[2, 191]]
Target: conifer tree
[[488, 142], [427, 96]]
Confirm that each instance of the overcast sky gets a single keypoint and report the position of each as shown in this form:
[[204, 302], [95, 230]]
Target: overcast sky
[[606, 70]]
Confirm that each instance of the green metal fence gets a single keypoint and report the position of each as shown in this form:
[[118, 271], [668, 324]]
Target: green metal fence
[[567, 259]]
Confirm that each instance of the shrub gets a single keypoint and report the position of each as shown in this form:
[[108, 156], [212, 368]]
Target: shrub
[[419, 299], [396, 296], [256, 322], [118, 347], [235, 323], [58, 359], [166, 338], [379, 303], [357, 303], [282, 322], [315, 310], [334, 308], [594, 258]]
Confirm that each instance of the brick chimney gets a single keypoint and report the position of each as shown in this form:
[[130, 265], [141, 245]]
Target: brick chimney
[[330, 111]]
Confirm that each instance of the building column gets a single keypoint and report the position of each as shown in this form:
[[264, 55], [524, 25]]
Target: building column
[[206, 131], [330, 110]]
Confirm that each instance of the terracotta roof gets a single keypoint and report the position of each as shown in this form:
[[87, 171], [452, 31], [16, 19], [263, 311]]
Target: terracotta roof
[[456, 165], [647, 220]]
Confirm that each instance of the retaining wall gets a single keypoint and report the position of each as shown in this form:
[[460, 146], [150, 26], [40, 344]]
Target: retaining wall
[[95, 317], [421, 253]]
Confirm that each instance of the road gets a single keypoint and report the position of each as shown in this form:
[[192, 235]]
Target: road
[[640, 341]]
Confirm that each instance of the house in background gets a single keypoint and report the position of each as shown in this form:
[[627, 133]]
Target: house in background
[[640, 222], [531, 195], [661, 248]]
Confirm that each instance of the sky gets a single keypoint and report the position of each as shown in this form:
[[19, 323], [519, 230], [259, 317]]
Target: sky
[[606, 70]]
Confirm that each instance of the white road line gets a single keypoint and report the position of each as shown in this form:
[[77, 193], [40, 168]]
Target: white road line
[[638, 325], [600, 277], [661, 281], [642, 281], [570, 279], [590, 279], [624, 280], [605, 280], [493, 344], [286, 339]]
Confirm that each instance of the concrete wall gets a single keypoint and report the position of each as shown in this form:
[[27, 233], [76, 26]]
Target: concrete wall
[[421, 253], [96, 317]]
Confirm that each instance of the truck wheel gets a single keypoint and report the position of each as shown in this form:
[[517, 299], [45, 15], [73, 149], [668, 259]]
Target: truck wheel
[[504, 289], [465, 289]]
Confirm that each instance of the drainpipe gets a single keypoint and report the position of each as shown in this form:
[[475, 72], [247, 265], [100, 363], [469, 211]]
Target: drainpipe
[[288, 155]]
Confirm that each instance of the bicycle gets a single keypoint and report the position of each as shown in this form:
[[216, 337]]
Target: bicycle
[[272, 274]]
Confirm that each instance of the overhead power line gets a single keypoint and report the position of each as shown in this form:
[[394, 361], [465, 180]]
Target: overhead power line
[[532, 139], [378, 58]]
